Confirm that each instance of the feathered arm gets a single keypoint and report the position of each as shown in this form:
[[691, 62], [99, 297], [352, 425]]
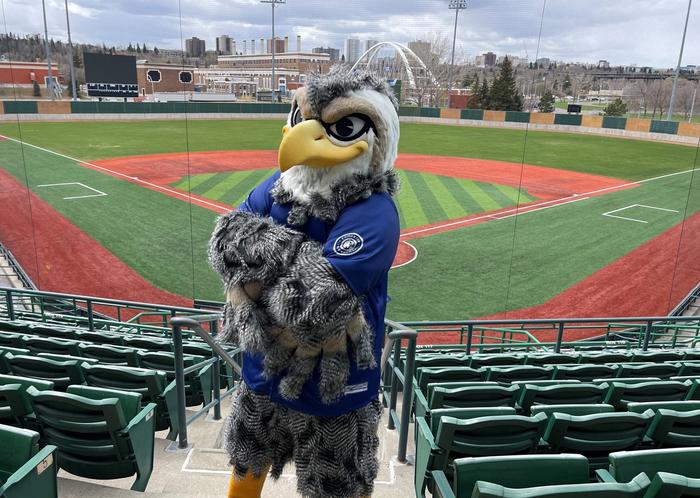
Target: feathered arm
[[319, 314]]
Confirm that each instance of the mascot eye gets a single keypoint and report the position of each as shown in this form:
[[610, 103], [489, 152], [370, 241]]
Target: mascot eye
[[296, 117], [350, 127]]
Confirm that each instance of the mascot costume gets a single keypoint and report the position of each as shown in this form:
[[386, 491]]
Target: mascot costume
[[304, 261]]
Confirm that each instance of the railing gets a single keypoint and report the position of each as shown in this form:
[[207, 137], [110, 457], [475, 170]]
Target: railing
[[17, 268], [687, 302]]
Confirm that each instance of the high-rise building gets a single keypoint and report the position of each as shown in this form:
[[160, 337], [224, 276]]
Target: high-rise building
[[420, 47], [223, 45], [369, 44], [353, 50], [333, 52], [489, 59], [194, 47]]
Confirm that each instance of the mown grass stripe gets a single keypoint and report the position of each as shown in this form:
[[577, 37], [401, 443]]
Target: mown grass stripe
[[449, 204], [409, 203], [482, 198], [429, 203], [494, 193], [464, 199], [209, 183], [514, 195], [189, 182], [239, 193], [221, 188]]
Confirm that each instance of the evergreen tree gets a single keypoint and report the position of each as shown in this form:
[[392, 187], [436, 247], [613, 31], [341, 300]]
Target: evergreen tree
[[504, 94], [130, 48], [155, 50], [144, 49], [138, 48], [546, 103], [566, 85], [483, 96], [616, 108]]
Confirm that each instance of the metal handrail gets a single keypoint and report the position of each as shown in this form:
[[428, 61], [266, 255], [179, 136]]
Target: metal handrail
[[686, 301]]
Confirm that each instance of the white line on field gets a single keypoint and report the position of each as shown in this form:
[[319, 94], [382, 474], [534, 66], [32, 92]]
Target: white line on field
[[610, 214], [98, 193], [117, 173]]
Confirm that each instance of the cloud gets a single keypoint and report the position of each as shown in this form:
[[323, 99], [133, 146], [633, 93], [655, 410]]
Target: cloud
[[646, 32]]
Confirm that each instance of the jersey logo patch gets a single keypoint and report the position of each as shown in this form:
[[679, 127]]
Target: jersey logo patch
[[348, 244]]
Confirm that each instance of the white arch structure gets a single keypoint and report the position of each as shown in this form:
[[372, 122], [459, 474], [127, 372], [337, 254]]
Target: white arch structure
[[408, 57]]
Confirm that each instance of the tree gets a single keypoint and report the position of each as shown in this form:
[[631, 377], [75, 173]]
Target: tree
[[566, 85], [36, 89], [616, 108], [546, 102], [504, 94], [483, 96]]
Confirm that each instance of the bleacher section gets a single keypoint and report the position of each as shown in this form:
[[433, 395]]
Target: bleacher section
[[527, 425]]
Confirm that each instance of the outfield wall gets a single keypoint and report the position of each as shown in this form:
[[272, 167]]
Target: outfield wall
[[648, 129]]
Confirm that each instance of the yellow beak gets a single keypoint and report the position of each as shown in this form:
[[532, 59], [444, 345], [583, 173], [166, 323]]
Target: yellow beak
[[306, 143]]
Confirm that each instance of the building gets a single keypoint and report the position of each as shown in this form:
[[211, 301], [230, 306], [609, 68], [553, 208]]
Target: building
[[353, 50], [420, 47], [543, 62], [486, 60], [369, 44], [194, 47], [280, 46], [334, 53], [26, 73], [225, 82], [289, 67], [164, 78], [515, 61], [171, 53], [223, 45], [603, 64]]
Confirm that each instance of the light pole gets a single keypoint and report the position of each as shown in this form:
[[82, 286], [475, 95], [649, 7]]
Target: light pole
[[70, 55], [273, 3], [669, 117], [48, 51], [455, 5]]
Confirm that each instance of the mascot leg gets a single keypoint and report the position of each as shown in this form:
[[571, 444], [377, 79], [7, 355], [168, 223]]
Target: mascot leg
[[248, 487]]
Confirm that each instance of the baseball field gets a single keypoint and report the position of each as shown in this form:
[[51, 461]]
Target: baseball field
[[495, 222]]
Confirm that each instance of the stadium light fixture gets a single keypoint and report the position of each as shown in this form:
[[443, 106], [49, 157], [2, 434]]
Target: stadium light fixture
[[669, 117], [273, 3], [455, 5]]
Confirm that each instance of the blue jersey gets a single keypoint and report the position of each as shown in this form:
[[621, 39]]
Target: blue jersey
[[361, 246]]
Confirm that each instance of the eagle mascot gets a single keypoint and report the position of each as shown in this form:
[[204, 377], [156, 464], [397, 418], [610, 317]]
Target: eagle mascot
[[305, 261]]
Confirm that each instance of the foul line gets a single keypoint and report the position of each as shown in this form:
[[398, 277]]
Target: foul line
[[98, 194], [117, 173], [536, 207]]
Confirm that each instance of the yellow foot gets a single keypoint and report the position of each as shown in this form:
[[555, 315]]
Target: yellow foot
[[248, 487]]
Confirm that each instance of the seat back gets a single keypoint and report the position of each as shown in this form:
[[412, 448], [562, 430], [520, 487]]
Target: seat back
[[427, 376], [26, 471], [101, 338], [667, 485], [541, 359], [61, 373], [439, 361], [657, 356], [604, 357], [519, 471], [561, 394], [52, 345], [675, 428], [679, 406], [633, 489], [574, 409], [52, 331], [508, 375], [488, 360], [624, 464], [148, 383], [11, 339], [113, 355], [621, 394], [17, 446], [660, 370], [584, 373], [148, 343], [473, 397], [14, 402]]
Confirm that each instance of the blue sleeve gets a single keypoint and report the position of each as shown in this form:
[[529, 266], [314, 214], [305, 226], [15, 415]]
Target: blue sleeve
[[259, 201], [362, 244]]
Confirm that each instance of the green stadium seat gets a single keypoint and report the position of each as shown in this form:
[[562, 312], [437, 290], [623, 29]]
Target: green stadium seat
[[482, 360], [691, 355], [596, 435], [25, 470], [660, 370], [51, 345], [671, 428], [626, 380], [518, 471], [113, 355], [508, 375], [624, 464], [683, 378], [61, 373], [689, 369], [620, 394], [667, 485], [198, 383], [466, 413], [633, 489], [584, 373], [427, 376], [55, 331], [64, 357], [541, 359], [101, 338], [100, 433], [148, 343], [562, 394], [12, 326], [439, 361], [605, 357], [657, 356], [152, 385], [480, 436], [14, 402], [472, 396], [11, 339], [572, 409], [4, 361]]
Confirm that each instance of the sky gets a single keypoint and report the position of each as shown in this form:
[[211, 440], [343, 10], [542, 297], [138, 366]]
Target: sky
[[642, 32]]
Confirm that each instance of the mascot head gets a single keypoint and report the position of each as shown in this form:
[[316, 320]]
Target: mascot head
[[341, 125]]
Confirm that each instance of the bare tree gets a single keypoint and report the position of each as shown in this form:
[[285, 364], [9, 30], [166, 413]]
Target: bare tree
[[659, 94], [684, 97]]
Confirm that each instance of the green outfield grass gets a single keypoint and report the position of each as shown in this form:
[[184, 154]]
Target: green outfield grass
[[424, 198], [628, 159], [458, 274]]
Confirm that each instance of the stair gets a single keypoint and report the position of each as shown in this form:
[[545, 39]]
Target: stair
[[203, 472]]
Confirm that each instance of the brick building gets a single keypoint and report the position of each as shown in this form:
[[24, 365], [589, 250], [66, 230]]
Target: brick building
[[26, 73], [167, 77]]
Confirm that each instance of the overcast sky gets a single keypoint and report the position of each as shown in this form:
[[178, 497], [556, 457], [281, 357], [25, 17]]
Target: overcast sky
[[645, 32]]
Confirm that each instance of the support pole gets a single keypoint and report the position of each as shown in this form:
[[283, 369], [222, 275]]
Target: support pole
[[669, 116], [70, 55], [48, 51]]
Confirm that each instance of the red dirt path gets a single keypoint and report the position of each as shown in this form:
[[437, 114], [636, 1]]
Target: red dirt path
[[69, 260]]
